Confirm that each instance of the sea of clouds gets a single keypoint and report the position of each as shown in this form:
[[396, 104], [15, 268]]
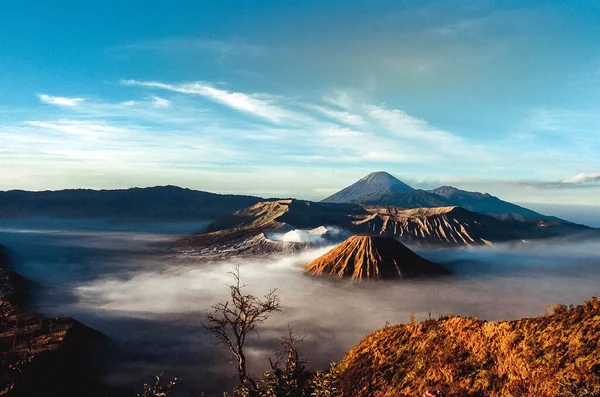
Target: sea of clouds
[[128, 284]]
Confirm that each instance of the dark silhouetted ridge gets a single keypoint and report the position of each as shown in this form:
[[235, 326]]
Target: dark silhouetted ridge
[[159, 202], [42, 356]]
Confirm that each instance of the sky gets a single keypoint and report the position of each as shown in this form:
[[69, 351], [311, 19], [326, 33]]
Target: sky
[[301, 98]]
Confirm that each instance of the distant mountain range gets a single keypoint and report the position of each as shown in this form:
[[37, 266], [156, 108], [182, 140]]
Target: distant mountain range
[[175, 203], [257, 230], [160, 202], [381, 188]]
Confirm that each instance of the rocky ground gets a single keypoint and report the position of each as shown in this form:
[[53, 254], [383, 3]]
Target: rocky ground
[[38, 355]]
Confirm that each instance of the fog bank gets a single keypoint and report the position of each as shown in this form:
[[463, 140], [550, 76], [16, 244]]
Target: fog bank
[[128, 284]]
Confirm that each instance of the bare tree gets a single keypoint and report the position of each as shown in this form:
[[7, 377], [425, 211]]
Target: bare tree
[[160, 388], [232, 321], [289, 375]]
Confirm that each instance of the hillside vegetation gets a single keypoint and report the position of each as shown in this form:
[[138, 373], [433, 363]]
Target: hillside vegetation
[[542, 356]]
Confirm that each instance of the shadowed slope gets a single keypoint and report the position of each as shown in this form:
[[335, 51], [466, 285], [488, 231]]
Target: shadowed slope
[[249, 231], [381, 188], [372, 258], [485, 203], [414, 199], [159, 202], [42, 356], [370, 188]]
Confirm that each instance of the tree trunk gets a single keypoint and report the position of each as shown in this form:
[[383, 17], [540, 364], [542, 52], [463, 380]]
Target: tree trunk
[[245, 380]]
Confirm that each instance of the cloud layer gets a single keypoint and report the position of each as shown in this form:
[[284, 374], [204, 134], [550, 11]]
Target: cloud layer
[[212, 137], [583, 178], [115, 278]]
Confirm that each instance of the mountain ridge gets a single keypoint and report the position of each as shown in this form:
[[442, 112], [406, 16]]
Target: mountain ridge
[[157, 202], [171, 202], [489, 204], [442, 226], [484, 203]]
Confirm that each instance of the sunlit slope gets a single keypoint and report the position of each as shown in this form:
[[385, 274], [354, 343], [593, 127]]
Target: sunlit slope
[[444, 225], [438, 226], [367, 257], [470, 357], [447, 225]]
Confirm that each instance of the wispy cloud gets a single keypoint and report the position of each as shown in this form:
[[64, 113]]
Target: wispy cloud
[[564, 120], [181, 135], [579, 181], [59, 100], [422, 137], [343, 144], [583, 178], [348, 130], [76, 127], [191, 45], [96, 143], [468, 26], [341, 99], [579, 127], [357, 132], [159, 102], [340, 116], [259, 105], [403, 125]]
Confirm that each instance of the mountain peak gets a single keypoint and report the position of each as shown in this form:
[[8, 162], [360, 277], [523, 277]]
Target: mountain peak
[[371, 187], [451, 191], [372, 257], [381, 177]]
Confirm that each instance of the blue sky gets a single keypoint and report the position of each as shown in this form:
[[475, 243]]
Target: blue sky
[[301, 98]]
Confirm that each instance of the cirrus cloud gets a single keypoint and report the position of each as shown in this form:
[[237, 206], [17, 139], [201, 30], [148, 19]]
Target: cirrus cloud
[[255, 104], [60, 100]]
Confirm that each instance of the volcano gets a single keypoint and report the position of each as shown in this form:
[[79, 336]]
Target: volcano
[[371, 188], [383, 189], [369, 257]]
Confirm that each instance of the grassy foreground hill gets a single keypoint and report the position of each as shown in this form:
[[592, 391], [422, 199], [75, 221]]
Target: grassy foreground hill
[[542, 356]]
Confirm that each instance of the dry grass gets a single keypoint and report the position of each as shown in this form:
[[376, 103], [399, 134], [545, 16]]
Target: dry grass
[[469, 357]]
